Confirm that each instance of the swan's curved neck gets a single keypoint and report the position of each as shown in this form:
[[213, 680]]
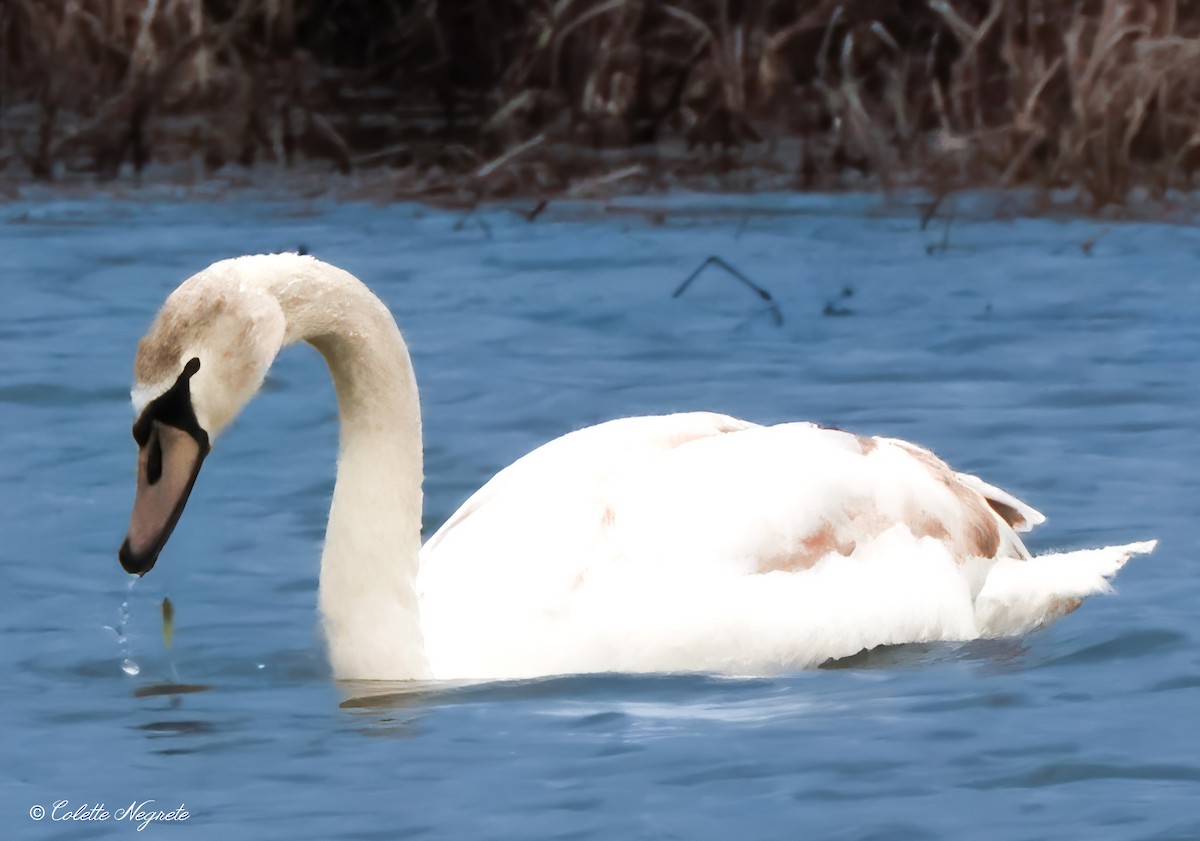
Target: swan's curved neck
[[368, 597]]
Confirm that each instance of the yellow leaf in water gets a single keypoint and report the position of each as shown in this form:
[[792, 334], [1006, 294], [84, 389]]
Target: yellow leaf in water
[[168, 614]]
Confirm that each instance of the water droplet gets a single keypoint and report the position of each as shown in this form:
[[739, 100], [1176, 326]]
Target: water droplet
[[262, 665], [127, 665]]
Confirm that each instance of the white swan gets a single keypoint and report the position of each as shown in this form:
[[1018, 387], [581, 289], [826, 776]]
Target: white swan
[[689, 542]]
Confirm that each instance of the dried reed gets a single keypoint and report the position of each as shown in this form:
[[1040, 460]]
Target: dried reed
[[549, 97]]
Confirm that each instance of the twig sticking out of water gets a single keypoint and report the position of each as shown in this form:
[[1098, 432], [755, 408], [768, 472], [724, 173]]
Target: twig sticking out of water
[[943, 246], [931, 210], [479, 222], [833, 308], [537, 210], [714, 260], [1090, 243]]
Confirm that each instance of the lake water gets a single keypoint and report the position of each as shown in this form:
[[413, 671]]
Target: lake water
[[1057, 359]]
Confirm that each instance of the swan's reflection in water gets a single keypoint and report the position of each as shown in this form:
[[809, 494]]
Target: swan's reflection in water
[[372, 696], [919, 654], [389, 695]]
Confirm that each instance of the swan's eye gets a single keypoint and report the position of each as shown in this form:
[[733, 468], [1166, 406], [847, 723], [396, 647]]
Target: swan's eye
[[154, 460]]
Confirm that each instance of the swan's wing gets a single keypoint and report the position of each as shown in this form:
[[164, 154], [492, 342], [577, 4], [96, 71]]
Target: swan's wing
[[583, 459], [783, 498], [702, 485], [1019, 515]]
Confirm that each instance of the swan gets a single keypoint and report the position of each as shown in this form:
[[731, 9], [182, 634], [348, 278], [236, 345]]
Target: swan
[[684, 542]]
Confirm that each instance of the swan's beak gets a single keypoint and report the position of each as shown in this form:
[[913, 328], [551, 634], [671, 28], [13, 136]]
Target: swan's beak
[[169, 460]]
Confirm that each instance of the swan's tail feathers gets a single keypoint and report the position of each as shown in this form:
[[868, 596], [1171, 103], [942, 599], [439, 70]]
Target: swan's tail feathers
[[1021, 596]]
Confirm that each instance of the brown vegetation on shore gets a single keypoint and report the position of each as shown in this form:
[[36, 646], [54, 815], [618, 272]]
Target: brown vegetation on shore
[[495, 97]]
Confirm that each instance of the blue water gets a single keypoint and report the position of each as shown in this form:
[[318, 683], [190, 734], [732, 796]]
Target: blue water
[[1066, 376]]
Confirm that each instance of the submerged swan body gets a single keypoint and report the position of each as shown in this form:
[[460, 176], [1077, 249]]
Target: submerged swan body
[[687, 542]]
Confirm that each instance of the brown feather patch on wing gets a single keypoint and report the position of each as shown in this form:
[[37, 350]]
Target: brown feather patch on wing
[[1007, 513], [979, 536], [805, 554], [975, 534]]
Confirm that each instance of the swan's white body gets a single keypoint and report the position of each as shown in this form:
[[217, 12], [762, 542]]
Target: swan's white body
[[690, 542]]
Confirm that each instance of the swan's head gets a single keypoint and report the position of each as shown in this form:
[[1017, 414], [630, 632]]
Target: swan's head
[[205, 356]]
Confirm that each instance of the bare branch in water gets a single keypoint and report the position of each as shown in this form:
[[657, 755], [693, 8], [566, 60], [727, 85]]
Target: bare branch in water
[[943, 246], [714, 260], [932, 209], [1090, 243], [472, 217], [537, 210]]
